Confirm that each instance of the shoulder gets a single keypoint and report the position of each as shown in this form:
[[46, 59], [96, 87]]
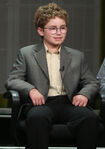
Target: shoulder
[[74, 52], [103, 62], [101, 73], [28, 49]]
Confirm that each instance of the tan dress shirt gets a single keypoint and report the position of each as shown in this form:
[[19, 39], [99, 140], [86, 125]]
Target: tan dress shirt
[[53, 62]]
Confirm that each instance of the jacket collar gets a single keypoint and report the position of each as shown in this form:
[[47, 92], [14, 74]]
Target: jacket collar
[[40, 56], [65, 59]]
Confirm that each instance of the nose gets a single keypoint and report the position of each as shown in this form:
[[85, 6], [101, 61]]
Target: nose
[[58, 31]]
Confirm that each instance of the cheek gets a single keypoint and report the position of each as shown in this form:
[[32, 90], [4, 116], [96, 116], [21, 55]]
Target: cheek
[[64, 37], [47, 36]]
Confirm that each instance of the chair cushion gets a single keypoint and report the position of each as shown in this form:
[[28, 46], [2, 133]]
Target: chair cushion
[[59, 134]]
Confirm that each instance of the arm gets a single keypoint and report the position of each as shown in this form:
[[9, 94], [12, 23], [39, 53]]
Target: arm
[[101, 79], [88, 86], [17, 77]]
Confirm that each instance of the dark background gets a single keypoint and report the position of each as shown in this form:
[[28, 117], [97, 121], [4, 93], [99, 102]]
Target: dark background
[[102, 35], [85, 30]]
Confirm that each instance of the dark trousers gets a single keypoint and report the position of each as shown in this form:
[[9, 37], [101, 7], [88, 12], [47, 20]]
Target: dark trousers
[[81, 121]]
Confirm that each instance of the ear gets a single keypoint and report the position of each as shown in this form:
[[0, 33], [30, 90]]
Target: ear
[[40, 31]]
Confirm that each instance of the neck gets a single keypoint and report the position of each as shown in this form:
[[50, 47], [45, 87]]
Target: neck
[[53, 48]]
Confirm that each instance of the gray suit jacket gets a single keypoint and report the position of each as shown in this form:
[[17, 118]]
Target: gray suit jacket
[[30, 71], [101, 79]]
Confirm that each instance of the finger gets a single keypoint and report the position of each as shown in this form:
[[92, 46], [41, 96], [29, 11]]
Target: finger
[[43, 101], [40, 101], [74, 101], [36, 101], [81, 103], [33, 101], [84, 105], [77, 103]]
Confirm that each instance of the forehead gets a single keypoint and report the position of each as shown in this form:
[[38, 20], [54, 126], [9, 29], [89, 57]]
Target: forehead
[[56, 22]]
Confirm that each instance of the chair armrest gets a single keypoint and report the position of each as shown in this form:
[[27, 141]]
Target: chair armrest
[[14, 99], [12, 95]]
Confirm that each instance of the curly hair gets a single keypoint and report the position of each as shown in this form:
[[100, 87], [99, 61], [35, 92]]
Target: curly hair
[[47, 12]]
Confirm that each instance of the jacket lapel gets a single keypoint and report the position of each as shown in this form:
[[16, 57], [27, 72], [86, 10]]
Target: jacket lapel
[[40, 56], [65, 59]]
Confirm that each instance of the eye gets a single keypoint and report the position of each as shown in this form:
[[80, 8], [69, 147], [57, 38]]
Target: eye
[[52, 28], [63, 27]]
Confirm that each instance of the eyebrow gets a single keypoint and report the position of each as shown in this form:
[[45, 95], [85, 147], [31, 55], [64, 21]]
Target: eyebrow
[[56, 26]]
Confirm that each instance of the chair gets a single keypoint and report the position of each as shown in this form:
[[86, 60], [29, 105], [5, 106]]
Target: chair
[[60, 136]]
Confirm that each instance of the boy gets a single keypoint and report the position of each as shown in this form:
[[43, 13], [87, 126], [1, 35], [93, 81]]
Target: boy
[[55, 78]]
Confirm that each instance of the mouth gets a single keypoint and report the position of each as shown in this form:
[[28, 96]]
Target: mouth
[[58, 38]]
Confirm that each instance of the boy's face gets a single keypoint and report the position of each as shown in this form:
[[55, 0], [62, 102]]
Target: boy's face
[[54, 32]]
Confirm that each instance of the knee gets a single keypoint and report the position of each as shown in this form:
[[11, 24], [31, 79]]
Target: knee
[[38, 115], [92, 118]]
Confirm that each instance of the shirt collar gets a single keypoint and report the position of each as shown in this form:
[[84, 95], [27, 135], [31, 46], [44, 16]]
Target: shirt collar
[[47, 50]]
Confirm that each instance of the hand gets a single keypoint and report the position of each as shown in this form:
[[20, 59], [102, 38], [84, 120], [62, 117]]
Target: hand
[[80, 100], [36, 97]]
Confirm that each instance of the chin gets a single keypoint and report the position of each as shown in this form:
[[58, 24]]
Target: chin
[[58, 42]]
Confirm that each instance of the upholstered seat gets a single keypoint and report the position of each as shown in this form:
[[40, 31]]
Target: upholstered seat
[[60, 135]]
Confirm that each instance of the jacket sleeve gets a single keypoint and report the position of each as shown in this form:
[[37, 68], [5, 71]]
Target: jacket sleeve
[[101, 79], [88, 84], [17, 77]]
